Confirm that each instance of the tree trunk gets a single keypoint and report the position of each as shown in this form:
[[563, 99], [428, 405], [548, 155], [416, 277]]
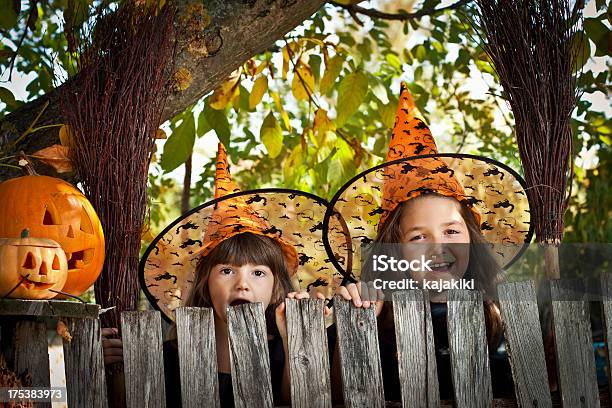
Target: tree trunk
[[214, 38]]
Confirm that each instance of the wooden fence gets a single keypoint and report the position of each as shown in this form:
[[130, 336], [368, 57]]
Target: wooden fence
[[25, 350]]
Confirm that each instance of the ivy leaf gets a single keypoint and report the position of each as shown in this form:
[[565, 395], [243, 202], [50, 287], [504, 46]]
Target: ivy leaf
[[332, 70], [351, 92], [259, 89], [597, 31], [179, 145], [303, 82], [271, 135], [217, 120]]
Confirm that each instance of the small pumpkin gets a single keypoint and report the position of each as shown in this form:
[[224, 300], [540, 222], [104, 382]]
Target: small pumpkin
[[30, 267], [54, 209]]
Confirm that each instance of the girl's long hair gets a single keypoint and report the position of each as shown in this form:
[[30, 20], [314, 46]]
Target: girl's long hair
[[482, 267], [242, 249]]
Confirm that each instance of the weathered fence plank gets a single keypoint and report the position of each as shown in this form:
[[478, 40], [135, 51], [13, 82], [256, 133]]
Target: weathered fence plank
[[308, 353], [249, 356], [574, 345], [197, 356], [606, 298], [416, 349], [468, 347], [84, 364], [359, 355], [519, 310], [143, 359], [31, 353]]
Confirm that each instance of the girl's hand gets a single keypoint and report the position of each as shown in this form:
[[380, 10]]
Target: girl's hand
[[280, 315], [365, 290], [112, 348]]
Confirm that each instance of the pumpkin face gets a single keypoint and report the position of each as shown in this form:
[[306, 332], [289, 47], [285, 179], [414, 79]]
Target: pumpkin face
[[31, 266], [54, 209]]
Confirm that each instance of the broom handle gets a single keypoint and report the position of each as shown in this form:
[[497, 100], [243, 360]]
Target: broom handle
[[551, 261]]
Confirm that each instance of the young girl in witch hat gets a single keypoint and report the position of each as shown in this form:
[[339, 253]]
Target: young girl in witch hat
[[242, 247], [467, 215]]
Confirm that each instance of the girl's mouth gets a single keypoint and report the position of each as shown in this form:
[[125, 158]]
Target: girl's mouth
[[239, 302], [441, 267]]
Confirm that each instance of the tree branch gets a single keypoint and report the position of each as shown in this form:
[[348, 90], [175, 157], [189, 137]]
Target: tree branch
[[354, 9]]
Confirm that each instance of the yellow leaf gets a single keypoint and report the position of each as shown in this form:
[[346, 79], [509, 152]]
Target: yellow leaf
[[322, 123], [226, 92], [285, 62], [281, 110], [62, 330], [65, 135], [160, 134], [55, 156], [259, 89], [260, 68], [303, 82]]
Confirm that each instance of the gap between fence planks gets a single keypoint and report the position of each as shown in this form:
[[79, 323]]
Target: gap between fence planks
[[143, 359], [416, 349], [362, 381], [574, 345], [469, 351], [309, 366], [197, 356], [249, 356], [519, 310]]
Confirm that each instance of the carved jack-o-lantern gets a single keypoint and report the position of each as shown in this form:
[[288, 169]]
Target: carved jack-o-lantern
[[30, 268], [54, 209]]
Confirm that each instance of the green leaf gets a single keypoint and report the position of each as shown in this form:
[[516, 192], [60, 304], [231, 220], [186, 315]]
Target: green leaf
[[342, 164], [218, 121], [394, 61], [7, 97], [271, 135], [352, 91], [9, 15], [597, 32], [203, 125], [581, 50], [315, 64], [332, 70], [379, 89], [179, 145]]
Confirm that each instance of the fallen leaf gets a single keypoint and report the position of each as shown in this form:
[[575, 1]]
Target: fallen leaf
[[65, 135], [55, 156]]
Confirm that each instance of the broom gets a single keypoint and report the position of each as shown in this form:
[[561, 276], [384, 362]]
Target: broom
[[533, 46], [113, 112]]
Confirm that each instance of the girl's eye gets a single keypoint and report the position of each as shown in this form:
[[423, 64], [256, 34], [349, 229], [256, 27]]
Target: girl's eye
[[452, 232], [226, 271], [259, 273], [417, 237]]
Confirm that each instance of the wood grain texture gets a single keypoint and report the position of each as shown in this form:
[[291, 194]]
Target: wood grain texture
[[84, 364], [48, 308], [31, 353], [574, 345], [469, 351], [308, 353], [197, 356], [359, 355], [249, 355], [143, 359], [519, 310], [606, 298], [416, 349]]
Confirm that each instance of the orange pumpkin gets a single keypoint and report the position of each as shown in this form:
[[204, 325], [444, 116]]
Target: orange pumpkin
[[54, 209], [30, 267]]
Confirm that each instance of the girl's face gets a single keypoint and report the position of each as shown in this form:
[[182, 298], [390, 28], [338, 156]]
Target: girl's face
[[431, 226], [232, 285]]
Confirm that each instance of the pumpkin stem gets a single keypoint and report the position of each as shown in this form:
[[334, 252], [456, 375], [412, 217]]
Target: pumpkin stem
[[26, 164], [25, 233]]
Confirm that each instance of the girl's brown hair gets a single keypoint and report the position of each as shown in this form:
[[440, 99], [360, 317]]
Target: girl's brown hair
[[482, 267], [242, 249]]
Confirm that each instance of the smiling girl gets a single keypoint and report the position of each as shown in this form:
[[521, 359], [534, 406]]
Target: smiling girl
[[467, 215]]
